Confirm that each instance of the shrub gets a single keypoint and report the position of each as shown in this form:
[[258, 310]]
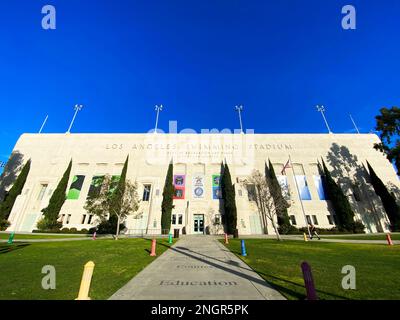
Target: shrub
[[73, 230], [4, 224], [358, 227], [45, 224]]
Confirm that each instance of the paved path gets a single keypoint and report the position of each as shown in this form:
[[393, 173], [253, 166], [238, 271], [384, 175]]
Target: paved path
[[197, 267]]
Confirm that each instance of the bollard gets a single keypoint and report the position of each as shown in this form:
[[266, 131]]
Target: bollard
[[243, 249], [85, 282], [153, 248], [94, 235], [11, 238], [226, 239], [308, 281], [170, 238], [305, 237], [389, 239]]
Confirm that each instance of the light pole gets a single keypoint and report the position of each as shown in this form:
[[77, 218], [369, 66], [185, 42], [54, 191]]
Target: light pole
[[77, 107], [355, 126], [239, 109], [322, 110], [158, 108], [44, 122]]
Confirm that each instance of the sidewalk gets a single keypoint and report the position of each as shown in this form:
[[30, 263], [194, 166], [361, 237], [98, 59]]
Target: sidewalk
[[197, 267]]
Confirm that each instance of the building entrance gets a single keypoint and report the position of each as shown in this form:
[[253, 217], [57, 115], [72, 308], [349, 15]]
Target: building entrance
[[198, 226]]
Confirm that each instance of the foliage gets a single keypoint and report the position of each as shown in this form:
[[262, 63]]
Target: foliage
[[268, 206], [112, 209], [167, 202], [388, 123], [4, 224], [228, 195], [276, 191], [388, 200], [52, 211], [340, 203], [15, 191]]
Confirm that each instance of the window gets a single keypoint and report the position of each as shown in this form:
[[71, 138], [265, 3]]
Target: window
[[68, 219], [83, 219], [303, 187], [146, 192], [308, 219], [62, 218], [315, 219], [240, 193], [283, 182], [251, 192], [173, 219], [217, 219], [293, 220], [180, 217], [90, 219], [330, 220], [320, 189], [43, 188], [157, 192]]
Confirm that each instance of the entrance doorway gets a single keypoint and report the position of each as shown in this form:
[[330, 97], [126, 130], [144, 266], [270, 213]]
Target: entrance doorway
[[198, 220]]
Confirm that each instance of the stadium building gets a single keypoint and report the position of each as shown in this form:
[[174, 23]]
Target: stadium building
[[197, 163]]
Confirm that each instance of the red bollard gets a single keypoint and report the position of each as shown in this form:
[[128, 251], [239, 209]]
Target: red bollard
[[389, 239], [94, 235], [153, 248], [308, 281], [226, 239]]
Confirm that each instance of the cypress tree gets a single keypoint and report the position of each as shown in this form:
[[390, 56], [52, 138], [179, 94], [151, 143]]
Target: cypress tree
[[276, 192], [15, 191], [340, 203], [56, 202], [168, 200], [228, 195], [388, 200], [110, 226]]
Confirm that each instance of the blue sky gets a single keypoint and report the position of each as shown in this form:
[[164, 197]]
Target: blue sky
[[199, 59]]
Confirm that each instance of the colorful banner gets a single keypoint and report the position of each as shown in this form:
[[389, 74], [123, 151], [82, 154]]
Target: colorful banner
[[76, 187], [198, 186], [179, 184], [95, 186], [216, 188]]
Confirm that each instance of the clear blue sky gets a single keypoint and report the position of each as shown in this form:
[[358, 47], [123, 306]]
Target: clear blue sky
[[198, 58]]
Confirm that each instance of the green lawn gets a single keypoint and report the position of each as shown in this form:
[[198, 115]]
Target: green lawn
[[377, 267], [394, 236], [17, 236], [117, 261]]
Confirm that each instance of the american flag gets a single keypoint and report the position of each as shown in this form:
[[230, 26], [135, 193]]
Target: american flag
[[287, 165]]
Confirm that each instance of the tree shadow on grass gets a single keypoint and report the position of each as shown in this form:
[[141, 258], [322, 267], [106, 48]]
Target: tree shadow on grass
[[7, 248]]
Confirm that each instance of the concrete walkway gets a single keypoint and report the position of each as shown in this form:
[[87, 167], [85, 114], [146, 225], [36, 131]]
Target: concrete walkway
[[197, 267]]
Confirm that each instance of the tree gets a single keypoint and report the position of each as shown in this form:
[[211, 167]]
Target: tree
[[388, 123], [228, 196], [168, 200], [268, 206], [52, 211], [340, 203], [276, 191], [8, 202], [388, 200], [120, 203]]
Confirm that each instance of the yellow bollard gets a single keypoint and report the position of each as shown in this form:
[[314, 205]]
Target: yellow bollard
[[305, 237], [85, 282]]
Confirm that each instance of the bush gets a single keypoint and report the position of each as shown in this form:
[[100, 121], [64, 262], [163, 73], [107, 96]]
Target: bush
[[4, 224], [358, 227], [46, 225], [73, 230], [287, 229]]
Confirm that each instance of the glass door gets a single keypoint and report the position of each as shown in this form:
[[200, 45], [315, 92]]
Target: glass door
[[198, 223]]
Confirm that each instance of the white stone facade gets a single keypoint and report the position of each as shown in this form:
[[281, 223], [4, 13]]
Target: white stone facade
[[199, 154]]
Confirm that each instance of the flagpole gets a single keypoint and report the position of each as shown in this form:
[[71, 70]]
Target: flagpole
[[301, 201]]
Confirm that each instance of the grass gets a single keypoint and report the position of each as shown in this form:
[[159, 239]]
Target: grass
[[394, 236], [116, 262], [5, 236], [377, 267]]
